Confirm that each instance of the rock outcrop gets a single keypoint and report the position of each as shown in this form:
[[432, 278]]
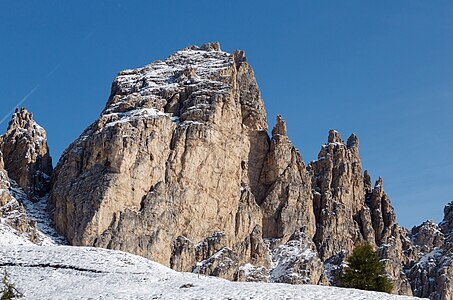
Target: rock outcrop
[[12, 212], [431, 276], [175, 155], [350, 211], [339, 197], [26, 155], [25, 169], [5, 196], [180, 168], [287, 206]]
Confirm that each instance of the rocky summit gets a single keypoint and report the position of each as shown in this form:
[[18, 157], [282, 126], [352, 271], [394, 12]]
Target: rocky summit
[[180, 168], [26, 154]]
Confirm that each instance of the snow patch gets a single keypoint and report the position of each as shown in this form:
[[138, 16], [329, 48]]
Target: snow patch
[[126, 117]]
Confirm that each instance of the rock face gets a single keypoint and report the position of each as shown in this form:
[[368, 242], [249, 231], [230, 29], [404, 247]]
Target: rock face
[[432, 275], [5, 196], [179, 168], [349, 211], [339, 196], [176, 154], [12, 212], [26, 155]]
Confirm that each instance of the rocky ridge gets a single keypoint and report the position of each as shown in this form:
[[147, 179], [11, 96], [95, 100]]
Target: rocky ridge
[[186, 174], [26, 154], [179, 168], [23, 216], [432, 275]]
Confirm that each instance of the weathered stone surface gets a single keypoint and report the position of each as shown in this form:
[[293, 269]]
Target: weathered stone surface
[[5, 196], [432, 275], [251, 273], [26, 155], [177, 152], [223, 263], [427, 236], [349, 211], [179, 168], [22, 200], [339, 196], [288, 205], [15, 216], [297, 262], [183, 255], [395, 252], [447, 225]]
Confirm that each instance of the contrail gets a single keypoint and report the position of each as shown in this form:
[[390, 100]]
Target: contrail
[[90, 34], [54, 69], [19, 104], [87, 37]]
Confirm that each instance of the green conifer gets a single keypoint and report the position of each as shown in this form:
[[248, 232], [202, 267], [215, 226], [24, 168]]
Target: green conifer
[[8, 291], [365, 271]]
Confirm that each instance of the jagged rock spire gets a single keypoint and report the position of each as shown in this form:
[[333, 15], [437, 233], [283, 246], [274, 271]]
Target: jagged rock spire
[[447, 223], [288, 205], [26, 154], [21, 119], [367, 181], [334, 137], [353, 141], [447, 226], [338, 197], [280, 127]]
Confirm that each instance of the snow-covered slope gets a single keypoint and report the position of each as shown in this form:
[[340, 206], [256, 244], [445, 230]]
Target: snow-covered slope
[[36, 227], [63, 272], [43, 269]]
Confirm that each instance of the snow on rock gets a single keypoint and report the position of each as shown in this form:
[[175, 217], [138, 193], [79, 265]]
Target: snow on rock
[[62, 272], [295, 262], [154, 90], [126, 117], [430, 258], [251, 273], [23, 222]]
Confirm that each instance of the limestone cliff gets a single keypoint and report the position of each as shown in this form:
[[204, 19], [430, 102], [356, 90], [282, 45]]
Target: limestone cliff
[[179, 168], [5, 196], [25, 169], [174, 160]]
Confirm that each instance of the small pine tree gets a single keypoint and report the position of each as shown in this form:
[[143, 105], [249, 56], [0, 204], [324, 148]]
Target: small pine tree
[[8, 290], [365, 271]]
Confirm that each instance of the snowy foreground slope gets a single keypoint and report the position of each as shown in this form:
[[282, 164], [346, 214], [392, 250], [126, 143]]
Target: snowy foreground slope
[[64, 272], [44, 270]]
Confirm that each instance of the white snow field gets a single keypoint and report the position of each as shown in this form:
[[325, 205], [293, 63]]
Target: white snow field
[[65, 272]]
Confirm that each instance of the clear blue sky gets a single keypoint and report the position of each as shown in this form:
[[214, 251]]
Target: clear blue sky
[[381, 69]]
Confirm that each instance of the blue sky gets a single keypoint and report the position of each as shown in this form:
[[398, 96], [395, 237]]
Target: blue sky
[[381, 69]]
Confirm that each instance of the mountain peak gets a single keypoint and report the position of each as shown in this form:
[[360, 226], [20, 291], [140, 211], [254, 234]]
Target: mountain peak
[[334, 137], [23, 119], [280, 126], [213, 46], [26, 154], [353, 141]]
